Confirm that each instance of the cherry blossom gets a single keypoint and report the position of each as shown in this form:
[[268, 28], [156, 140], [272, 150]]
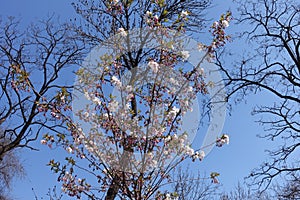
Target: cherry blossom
[[154, 66], [185, 55], [43, 142], [122, 32], [225, 23], [116, 81], [184, 13], [224, 139]]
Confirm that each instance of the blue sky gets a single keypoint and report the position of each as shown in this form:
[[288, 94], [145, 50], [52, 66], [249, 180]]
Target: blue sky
[[233, 162]]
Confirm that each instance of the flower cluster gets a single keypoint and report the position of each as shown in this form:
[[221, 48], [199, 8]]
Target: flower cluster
[[154, 66], [152, 20], [122, 32], [198, 155], [224, 139], [214, 176], [114, 6], [20, 78], [218, 32], [185, 55], [73, 186], [184, 14]]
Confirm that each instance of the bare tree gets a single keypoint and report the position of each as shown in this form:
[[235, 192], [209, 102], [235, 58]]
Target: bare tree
[[10, 168], [33, 65], [189, 186], [241, 192], [289, 188], [270, 63]]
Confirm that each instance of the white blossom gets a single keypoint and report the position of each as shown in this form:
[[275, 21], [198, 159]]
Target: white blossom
[[226, 138], [129, 97], [154, 66], [86, 114], [201, 71], [168, 138], [128, 88], [116, 81], [184, 13], [96, 100], [87, 95], [190, 89], [201, 155], [198, 155], [113, 106], [167, 197], [122, 32], [201, 47], [225, 23], [43, 142], [185, 55], [174, 110], [189, 151], [69, 150], [148, 14]]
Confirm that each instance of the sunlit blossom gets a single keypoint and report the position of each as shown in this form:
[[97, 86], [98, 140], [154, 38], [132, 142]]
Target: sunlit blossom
[[129, 97]]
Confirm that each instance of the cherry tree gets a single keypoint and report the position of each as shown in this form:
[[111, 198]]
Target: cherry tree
[[131, 97]]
